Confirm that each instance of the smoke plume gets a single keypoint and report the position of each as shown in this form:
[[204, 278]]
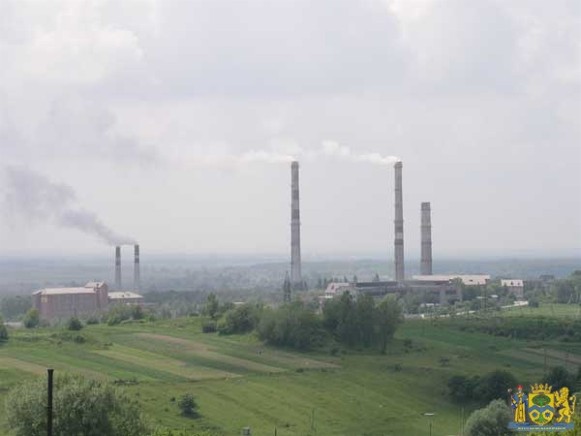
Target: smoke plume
[[333, 149], [34, 197]]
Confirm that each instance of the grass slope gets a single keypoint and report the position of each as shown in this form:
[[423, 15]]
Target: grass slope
[[239, 382]]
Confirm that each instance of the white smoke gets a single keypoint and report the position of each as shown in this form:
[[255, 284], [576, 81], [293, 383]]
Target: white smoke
[[35, 198], [333, 149]]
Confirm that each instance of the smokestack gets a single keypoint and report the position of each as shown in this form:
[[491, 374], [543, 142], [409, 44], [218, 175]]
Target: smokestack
[[118, 267], [136, 270], [398, 222], [296, 279], [426, 259]]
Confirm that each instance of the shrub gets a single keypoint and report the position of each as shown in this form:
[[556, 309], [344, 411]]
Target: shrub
[[93, 320], [209, 326], [188, 405], [81, 406], [3, 331], [31, 319], [74, 324], [489, 421]]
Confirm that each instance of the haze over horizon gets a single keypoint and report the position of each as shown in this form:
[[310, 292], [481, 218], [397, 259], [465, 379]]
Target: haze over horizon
[[173, 123]]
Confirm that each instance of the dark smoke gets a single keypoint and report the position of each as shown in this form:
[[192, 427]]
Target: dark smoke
[[34, 197]]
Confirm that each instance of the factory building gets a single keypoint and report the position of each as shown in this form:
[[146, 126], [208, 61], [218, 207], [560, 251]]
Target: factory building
[[90, 299], [66, 302]]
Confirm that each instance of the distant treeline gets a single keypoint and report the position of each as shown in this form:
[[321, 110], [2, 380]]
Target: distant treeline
[[529, 327], [361, 322]]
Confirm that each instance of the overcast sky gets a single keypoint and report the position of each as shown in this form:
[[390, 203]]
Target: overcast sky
[[172, 123]]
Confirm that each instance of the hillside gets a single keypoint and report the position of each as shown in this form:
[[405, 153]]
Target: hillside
[[239, 382]]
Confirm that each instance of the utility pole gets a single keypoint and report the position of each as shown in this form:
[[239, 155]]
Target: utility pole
[[49, 403]]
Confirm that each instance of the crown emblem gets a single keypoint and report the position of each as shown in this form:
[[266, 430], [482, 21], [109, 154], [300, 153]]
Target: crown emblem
[[541, 388]]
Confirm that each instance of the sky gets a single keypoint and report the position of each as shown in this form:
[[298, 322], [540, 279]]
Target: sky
[[173, 123]]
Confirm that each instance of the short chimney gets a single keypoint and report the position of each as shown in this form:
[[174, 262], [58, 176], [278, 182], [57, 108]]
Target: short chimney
[[426, 256]]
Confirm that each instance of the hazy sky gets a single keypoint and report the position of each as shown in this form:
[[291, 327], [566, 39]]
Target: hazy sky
[[172, 123]]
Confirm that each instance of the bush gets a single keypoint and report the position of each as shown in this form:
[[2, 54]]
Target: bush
[[3, 331], [462, 388], [559, 377], [93, 320], [188, 405], [81, 407], [209, 326], [31, 319], [74, 324], [489, 421], [495, 385], [292, 325], [241, 319]]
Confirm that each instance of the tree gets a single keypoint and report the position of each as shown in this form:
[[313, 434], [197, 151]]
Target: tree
[[241, 319], [31, 319], [80, 407], [495, 385], [462, 388], [212, 306], [188, 405], [3, 331], [559, 377], [389, 317], [489, 421]]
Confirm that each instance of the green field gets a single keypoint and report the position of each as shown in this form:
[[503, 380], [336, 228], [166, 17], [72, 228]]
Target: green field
[[239, 382]]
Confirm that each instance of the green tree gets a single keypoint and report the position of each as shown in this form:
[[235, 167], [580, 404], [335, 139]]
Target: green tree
[[241, 319], [212, 306], [31, 319], [559, 377], [3, 331], [81, 407], [188, 405], [389, 317], [495, 385], [461, 388], [74, 324], [489, 421]]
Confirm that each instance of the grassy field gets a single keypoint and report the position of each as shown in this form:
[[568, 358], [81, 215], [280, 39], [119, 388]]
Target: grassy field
[[239, 382]]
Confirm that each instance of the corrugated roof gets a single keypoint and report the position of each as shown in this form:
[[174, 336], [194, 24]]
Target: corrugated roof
[[64, 291], [123, 295], [467, 279]]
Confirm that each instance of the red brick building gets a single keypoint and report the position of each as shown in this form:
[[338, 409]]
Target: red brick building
[[66, 302]]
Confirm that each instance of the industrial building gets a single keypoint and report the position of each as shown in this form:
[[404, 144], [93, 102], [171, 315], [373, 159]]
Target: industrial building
[[66, 302], [90, 299]]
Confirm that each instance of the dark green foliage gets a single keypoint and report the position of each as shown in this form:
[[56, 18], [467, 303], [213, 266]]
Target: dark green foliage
[[495, 385], [212, 307], [12, 308], [31, 319], [209, 326], [241, 319], [74, 324], [122, 312], [137, 312], [81, 407], [3, 331], [489, 421], [530, 327], [462, 388], [361, 322], [292, 325], [559, 377], [188, 406], [92, 320]]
